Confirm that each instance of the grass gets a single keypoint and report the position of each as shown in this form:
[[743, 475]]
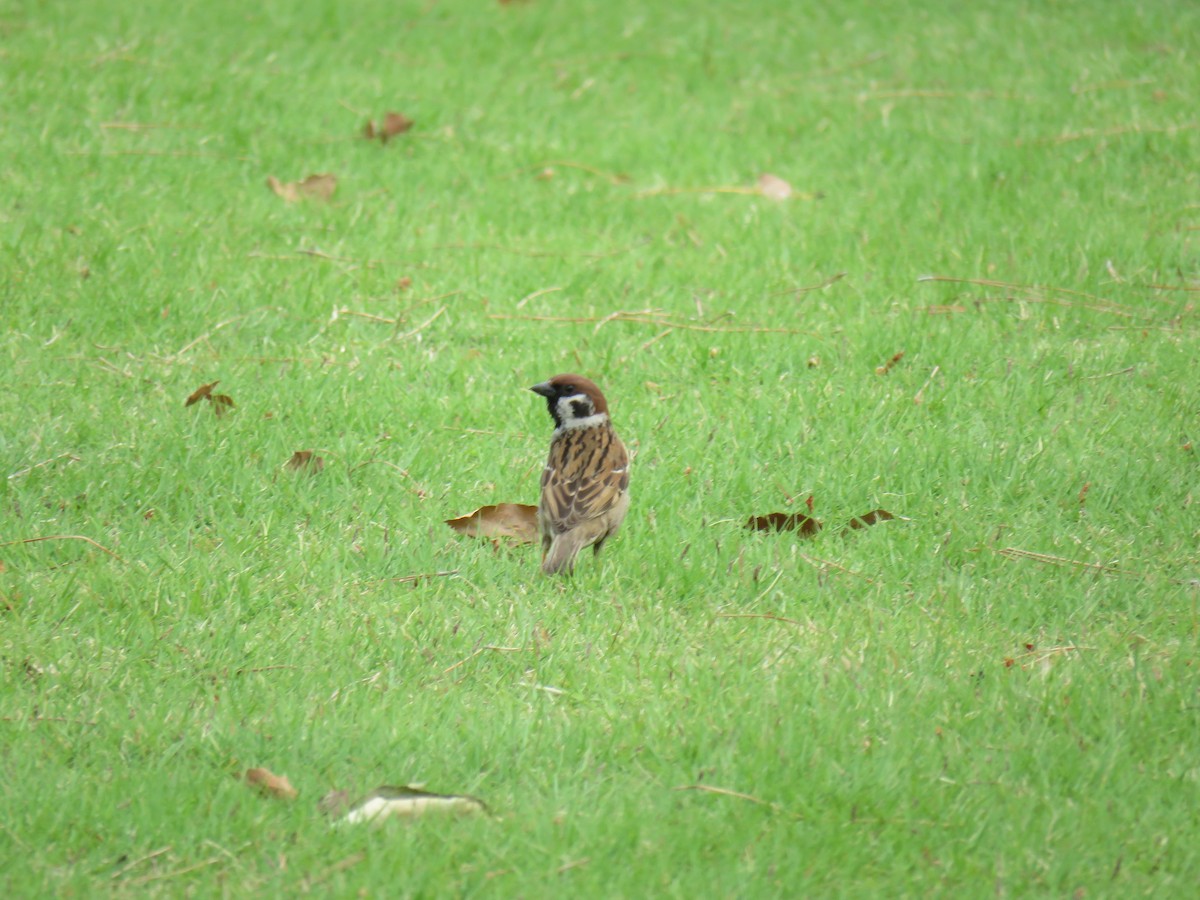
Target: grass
[[996, 693]]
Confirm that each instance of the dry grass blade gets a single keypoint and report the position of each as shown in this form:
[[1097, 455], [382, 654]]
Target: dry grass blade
[[482, 650], [1051, 560], [654, 317], [724, 792], [64, 537], [760, 616], [1037, 294]]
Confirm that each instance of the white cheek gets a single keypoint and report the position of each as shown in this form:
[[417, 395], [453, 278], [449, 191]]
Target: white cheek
[[566, 411]]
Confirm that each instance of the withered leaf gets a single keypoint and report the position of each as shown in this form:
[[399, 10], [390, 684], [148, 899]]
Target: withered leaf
[[221, 403], [777, 521], [394, 123], [774, 187], [407, 802], [271, 784], [305, 461], [887, 366], [872, 518], [200, 393], [513, 521], [320, 187]]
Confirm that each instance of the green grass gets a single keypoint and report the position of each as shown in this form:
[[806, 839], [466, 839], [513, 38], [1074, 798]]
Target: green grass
[[911, 720]]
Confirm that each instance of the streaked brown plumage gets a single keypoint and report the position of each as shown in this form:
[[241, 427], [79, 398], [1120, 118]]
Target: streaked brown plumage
[[585, 485]]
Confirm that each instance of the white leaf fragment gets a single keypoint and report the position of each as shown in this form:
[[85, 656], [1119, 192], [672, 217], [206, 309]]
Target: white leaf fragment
[[408, 802]]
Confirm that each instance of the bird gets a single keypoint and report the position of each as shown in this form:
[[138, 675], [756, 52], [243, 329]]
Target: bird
[[585, 485]]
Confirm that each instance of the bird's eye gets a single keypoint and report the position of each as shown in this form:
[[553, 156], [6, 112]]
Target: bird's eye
[[568, 389]]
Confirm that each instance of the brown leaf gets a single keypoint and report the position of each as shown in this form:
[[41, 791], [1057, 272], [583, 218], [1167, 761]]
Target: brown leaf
[[872, 518], [777, 521], [221, 403], [515, 521], [887, 366], [200, 393], [270, 784], [320, 187], [305, 461], [393, 124], [774, 187]]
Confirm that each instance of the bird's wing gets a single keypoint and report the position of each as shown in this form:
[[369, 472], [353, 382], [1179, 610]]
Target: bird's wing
[[586, 476]]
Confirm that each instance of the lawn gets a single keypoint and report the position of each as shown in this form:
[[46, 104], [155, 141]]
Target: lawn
[[965, 293]]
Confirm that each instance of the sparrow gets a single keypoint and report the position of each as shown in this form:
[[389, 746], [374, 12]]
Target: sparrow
[[585, 485]]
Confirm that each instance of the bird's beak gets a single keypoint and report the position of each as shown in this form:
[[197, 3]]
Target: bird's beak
[[544, 389]]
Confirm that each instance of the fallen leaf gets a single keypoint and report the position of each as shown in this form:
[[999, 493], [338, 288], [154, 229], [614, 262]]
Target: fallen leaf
[[774, 187], [873, 517], [394, 123], [200, 393], [271, 784], [887, 366], [305, 461], [221, 403], [777, 521], [407, 802], [514, 521], [320, 187]]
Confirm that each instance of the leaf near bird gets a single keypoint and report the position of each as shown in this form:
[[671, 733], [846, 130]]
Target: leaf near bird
[[270, 784], [388, 802], [504, 521], [305, 461], [318, 187]]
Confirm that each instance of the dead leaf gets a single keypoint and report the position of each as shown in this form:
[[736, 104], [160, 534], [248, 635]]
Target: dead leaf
[[887, 366], [406, 802], [221, 403], [319, 187], [774, 187], [777, 521], [394, 123], [305, 461], [270, 784], [874, 517], [200, 393], [512, 521]]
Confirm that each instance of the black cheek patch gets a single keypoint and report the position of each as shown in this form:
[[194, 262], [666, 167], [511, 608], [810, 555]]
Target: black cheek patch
[[581, 409]]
